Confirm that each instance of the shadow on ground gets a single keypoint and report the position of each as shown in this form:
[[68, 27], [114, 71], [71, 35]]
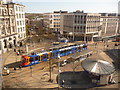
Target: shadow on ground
[[12, 65], [74, 80], [114, 55]]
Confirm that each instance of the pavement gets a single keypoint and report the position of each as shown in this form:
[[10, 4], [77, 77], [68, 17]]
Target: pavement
[[39, 76]]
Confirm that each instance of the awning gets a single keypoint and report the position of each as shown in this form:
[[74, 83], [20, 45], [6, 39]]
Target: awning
[[99, 67]]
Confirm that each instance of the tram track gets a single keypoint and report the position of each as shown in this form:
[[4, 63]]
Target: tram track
[[26, 70]]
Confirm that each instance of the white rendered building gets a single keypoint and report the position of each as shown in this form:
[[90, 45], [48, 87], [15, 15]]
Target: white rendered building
[[12, 25]]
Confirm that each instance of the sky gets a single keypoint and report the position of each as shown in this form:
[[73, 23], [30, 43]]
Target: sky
[[90, 6]]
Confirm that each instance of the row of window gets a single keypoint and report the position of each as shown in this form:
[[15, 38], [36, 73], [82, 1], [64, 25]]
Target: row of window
[[21, 29], [56, 22], [8, 30], [19, 8], [19, 23], [110, 19], [21, 35], [56, 25], [54, 16], [57, 19], [20, 16], [93, 21], [82, 22], [4, 11], [79, 27]]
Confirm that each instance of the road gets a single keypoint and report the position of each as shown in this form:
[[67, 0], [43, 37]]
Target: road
[[40, 73]]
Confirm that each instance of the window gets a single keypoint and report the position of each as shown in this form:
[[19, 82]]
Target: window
[[18, 23], [31, 59], [16, 8], [44, 56]]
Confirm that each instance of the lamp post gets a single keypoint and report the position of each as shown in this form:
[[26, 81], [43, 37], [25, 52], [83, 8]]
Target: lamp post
[[71, 34], [85, 37], [50, 80], [59, 69], [1, 81]]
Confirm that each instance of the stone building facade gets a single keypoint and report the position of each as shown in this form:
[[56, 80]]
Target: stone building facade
[[109, 25], [52, 20], [80, 26], [11, 33]]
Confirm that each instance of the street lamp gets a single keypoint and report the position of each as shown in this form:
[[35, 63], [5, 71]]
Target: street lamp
[[71, 33], [59, 69], [50, 80]]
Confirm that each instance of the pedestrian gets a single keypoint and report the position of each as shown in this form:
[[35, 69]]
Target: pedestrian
[[18, 53], [14, 50], [115, 44], [8, 71], [5, 68], [20, 67], [63, 81], [15, 68]]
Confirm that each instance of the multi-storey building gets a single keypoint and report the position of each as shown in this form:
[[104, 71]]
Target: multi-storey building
[[20, 22], [109, 24], [12, 25], [52, 20], [80, 26]]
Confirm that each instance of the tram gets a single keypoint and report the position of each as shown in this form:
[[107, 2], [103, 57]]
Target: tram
[[52, 53]]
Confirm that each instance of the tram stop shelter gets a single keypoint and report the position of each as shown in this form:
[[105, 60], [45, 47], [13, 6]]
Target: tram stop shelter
[[100, 71]]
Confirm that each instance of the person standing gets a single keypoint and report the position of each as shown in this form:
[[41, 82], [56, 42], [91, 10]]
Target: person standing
[[8, 71], [14, 50]]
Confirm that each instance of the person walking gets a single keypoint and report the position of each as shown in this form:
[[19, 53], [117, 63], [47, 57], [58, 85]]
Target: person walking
[[14, 50], [18, 53], [63, 82], [8, 71]]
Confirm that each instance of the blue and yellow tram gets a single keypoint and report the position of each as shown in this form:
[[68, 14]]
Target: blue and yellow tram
[[52, 53]]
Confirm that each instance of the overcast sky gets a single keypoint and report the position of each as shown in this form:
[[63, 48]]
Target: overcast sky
[[93, 6]]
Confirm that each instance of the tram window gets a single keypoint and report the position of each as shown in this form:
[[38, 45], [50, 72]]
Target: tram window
[[51, 54], [76, 48], [62, 52], [84, 46], [31, 59], [44, 56], [50, 49], [23, 60], [37, 58], [80, 48]]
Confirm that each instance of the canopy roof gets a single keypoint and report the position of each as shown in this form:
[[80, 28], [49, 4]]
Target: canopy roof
[[98, 66]]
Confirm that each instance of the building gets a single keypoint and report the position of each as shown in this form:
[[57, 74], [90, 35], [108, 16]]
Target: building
[[109, 24], [52, 20], [80, 26], [119, 17], [12, 25], [119, 7], [20, 22]]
